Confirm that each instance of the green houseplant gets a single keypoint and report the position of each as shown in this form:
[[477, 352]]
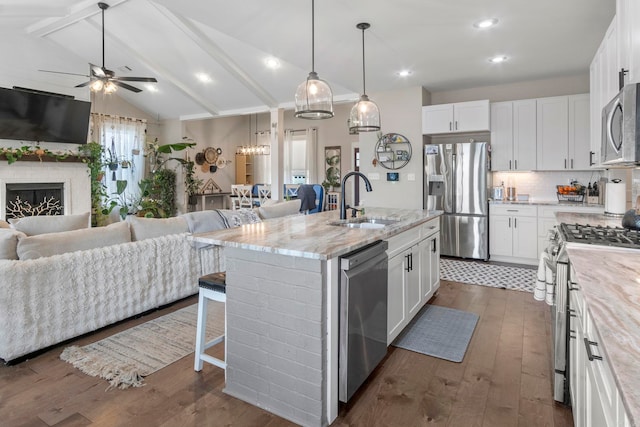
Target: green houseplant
[[93, 156]]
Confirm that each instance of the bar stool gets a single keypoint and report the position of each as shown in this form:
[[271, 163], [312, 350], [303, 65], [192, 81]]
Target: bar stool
[[212, 287]]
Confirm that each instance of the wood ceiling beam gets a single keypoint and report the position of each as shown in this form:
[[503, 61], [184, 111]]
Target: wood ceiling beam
[[160, 71], [218, 54]]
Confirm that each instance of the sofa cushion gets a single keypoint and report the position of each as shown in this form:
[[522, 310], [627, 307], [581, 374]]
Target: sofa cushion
[[9, 242], [4, 224], [149, 228], [33, 225], [276, 210], [49, 244]]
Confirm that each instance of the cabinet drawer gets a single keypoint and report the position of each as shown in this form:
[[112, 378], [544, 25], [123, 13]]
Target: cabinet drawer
[[604, 381], [402, 241], [513, 210], [430, 227]]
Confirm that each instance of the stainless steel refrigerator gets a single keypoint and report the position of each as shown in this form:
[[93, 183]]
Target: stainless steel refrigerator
[[457, 181]]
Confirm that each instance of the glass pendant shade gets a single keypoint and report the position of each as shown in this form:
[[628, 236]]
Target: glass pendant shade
[[314, 99], [365, 116]]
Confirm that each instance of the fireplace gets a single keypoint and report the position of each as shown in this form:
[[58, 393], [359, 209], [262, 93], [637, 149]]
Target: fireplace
[[30, 199], [66, 184]]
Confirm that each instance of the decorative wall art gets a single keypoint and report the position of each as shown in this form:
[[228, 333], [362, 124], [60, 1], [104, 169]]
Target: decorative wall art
[[332, 157]]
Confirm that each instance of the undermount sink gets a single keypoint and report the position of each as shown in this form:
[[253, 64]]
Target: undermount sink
[[364, 222]]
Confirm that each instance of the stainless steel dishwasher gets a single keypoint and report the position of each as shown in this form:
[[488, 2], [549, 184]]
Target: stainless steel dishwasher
[[363, 316]]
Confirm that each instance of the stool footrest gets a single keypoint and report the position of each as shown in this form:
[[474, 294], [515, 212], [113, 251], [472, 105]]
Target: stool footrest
[[217, 362], [214, 342]]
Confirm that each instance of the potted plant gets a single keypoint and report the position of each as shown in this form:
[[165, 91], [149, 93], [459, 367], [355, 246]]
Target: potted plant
[[93, 156], [192, 183]]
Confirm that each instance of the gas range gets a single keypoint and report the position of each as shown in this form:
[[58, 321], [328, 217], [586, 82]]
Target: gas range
[[597, 235]]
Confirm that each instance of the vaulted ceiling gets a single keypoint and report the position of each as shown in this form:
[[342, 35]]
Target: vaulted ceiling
[[230, 40]]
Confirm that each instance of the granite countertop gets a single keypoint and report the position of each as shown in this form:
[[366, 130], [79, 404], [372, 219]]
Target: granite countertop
[[311, 236], [588, 218], [612, 295]]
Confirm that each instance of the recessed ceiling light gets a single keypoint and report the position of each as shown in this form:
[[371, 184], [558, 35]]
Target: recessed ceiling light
[[498, 59], [151, 88], [203, 77], [272, 63], [404, 73], [486, 23]]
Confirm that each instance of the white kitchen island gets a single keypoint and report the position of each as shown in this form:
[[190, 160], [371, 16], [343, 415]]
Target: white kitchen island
[[282, 307]]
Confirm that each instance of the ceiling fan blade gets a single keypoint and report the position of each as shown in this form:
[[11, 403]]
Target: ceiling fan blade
[[97, 71], [62, 72], [125, 86], [136, 79], [84, 84]]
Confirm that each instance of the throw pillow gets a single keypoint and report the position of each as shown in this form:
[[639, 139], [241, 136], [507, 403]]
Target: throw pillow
[[9, 242], [33, 225], [277, 210], [49, 244], [149, 228], [236, 218]]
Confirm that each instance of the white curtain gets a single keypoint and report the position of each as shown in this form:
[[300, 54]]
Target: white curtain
[[123, 140], [312, 156], [288, 148]]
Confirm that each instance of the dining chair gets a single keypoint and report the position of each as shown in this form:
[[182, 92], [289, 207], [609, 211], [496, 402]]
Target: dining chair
[[291, 191], [241, 196], [264, 193]]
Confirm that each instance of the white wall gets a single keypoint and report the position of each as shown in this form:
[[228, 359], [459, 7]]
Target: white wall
[[400, 112]]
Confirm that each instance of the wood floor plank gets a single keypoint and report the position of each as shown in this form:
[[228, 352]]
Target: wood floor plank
[[496, 384]]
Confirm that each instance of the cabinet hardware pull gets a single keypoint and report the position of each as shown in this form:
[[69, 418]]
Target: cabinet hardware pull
[[456, 125], [516, 164], [588, 345], [573, 315], [509, 164], [565, 163], [408, 267], [434, 249], [512, 210], [573, 286], [591, 162], [509, 222], [573, 337], [411, 261], [515, 222], [571, 163], [450, 128]]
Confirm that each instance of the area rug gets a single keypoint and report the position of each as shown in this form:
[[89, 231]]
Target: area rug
[[486, 274], [439, 332], [125, 358]]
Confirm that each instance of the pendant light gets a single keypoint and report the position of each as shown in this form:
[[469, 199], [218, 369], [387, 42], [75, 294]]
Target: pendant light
[[314, 99], [365, 115]]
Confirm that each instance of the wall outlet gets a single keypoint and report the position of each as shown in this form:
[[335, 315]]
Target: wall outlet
[[374, 176], [411, 177]]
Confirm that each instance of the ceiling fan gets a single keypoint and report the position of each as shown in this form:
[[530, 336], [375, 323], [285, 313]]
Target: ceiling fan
[[102, 78]]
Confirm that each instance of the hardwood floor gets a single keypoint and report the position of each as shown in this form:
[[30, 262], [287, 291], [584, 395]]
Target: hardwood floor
[[504, 380]]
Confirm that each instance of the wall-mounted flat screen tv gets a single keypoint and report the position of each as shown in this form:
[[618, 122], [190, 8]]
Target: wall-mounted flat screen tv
[[41, 117]]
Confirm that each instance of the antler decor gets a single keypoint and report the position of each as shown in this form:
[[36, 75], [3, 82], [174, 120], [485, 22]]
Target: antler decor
[[19, 208]]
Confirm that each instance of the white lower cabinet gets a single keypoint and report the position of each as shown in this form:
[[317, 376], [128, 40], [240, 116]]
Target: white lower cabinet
[[595, 399], [414, 274], [513, 233]]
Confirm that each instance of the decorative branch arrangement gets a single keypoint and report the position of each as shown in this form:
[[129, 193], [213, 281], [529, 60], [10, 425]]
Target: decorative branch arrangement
[[19, 208]]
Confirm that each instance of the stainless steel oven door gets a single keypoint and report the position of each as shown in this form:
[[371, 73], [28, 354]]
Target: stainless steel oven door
[[559, 328]]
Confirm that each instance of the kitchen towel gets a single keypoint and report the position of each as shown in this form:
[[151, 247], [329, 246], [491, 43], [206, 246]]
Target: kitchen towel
[[545, 282]]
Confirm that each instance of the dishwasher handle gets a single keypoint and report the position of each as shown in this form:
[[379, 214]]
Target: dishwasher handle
[[362, 255]]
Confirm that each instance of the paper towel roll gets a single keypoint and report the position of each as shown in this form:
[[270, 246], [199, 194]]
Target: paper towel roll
[[616, 201]]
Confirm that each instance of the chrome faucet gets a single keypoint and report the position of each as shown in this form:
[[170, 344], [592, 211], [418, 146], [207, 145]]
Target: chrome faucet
[[343, 204]]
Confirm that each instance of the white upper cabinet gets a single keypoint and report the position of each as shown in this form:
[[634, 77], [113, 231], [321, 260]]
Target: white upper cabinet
[[563, 133], [513, 135], [470, 116]]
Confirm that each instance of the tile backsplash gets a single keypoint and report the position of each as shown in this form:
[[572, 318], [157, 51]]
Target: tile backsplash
[[541, 186]]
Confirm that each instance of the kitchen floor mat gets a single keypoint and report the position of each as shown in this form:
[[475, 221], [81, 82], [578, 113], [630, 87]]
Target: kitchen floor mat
[[439, 332], [487, 274]]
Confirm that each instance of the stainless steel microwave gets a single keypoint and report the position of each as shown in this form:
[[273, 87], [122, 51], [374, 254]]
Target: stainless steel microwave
[[621, 128]]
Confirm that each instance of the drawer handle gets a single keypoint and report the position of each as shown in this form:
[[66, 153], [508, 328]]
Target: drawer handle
[[590, 355], [573, 286]]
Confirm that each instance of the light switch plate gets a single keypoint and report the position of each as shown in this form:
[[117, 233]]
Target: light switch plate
[[411, 177], [374, 176]]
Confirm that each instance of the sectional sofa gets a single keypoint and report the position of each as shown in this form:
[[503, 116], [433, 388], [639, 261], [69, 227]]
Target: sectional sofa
[[63, 279]]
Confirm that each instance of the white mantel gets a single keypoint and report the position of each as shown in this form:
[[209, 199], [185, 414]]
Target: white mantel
[[75, 176]]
